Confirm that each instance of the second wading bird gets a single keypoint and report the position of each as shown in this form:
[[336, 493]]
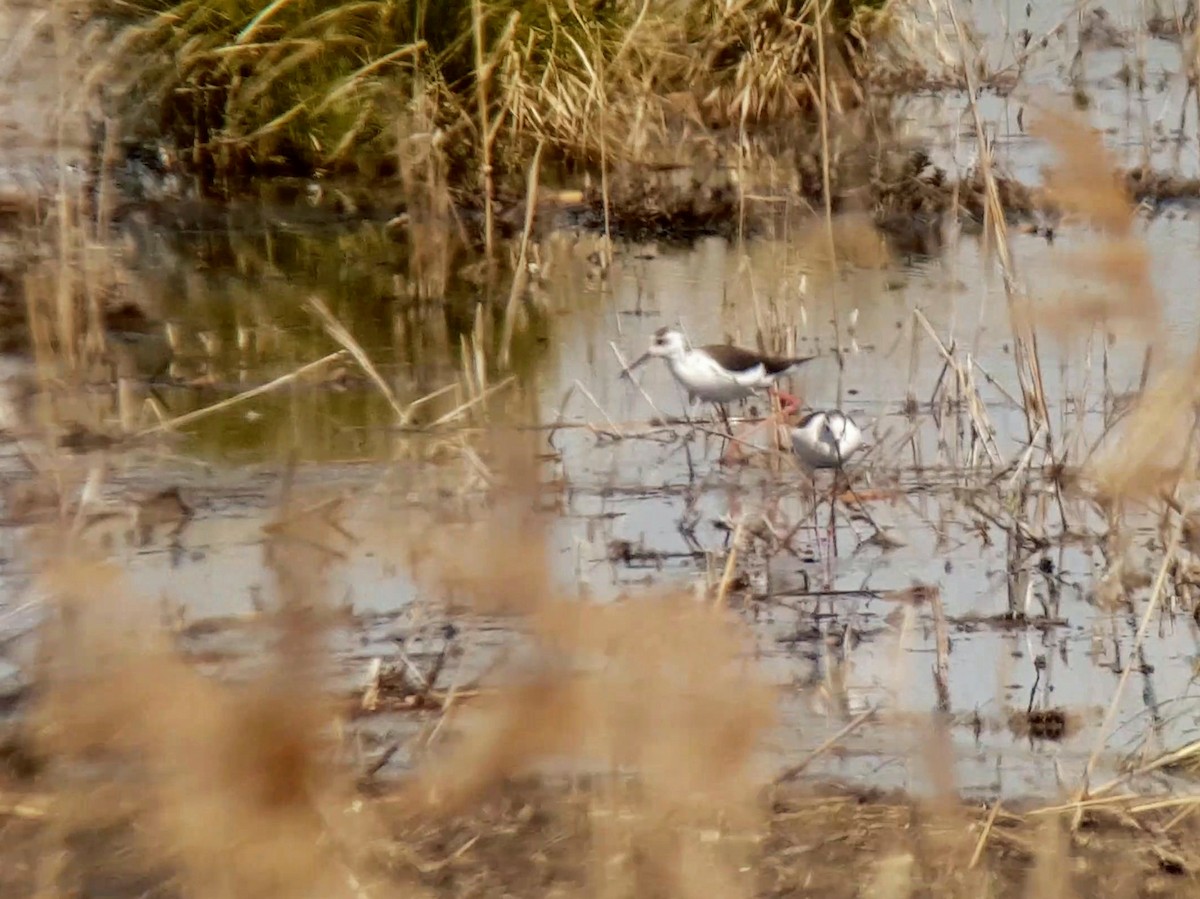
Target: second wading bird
[[826, 439], [717, 373]]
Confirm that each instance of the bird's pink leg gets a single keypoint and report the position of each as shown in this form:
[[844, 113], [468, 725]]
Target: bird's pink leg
[[787, 403]]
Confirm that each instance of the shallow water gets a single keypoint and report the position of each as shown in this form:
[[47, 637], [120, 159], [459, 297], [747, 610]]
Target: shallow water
[[834, 633]]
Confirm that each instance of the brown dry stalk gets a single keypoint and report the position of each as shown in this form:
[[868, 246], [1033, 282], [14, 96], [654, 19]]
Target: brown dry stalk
[[338, 332], [281, 381], [482, 77], [521, 275], [1152, 605], [826, 186], [230, 783]]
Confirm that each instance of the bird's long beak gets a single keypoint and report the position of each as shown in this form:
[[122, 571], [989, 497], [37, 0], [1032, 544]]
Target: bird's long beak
[[627, 373]]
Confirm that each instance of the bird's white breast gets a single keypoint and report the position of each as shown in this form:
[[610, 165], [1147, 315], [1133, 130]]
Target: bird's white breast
[[700, 374]]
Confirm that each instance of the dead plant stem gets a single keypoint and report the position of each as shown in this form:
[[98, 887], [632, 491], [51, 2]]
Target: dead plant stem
[[826, 188], [338, 332], [1025, 349], [190, 417], [1156, 594], [482, 75], [521, 275]]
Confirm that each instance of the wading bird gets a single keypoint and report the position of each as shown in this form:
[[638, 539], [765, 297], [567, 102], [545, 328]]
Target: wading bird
[[826, 439], [718, 373]]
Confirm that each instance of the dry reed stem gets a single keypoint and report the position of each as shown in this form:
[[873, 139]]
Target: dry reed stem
[[625, 371], [463, 408], [722, 596], [1152, 605], [521, 275], [826, 184], [941, 671], [976, 407], [794, 771], [338, 332], [614, 428], [282, 381], [482, 77], [981, 844]]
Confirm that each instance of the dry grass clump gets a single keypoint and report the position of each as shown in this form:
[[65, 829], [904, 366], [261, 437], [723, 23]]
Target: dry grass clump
[[758, 61], [230, 788], [1150, 450], [162, 776], [652, 687], [1086, 185], [252, 87]]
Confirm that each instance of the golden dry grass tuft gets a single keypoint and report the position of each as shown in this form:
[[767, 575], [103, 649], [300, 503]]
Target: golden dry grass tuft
[[1085, 185], [1147, 452], [230, 787], [242, 788], [654, 686], [1151, 450], [856, 241], [643, 689]]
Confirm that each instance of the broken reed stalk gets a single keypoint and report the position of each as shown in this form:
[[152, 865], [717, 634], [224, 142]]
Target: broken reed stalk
[[791, 773], [983, 837], [621, 360], [941, 670], [484, 394], [602, 102], [338, 332], [521, 275], [722, 596], [976, 407], [578, 385], [262, 389]]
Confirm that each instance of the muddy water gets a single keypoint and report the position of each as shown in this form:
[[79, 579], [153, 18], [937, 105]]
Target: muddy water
[[831, 626]]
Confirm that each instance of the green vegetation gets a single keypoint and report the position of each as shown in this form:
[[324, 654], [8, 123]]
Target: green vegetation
[[300, 86]]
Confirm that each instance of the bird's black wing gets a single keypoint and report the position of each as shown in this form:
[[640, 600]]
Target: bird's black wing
[[735, 358], [777, 364]]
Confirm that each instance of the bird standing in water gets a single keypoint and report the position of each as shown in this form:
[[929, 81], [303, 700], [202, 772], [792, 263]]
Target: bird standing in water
[[717, 373], [826, 439]]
